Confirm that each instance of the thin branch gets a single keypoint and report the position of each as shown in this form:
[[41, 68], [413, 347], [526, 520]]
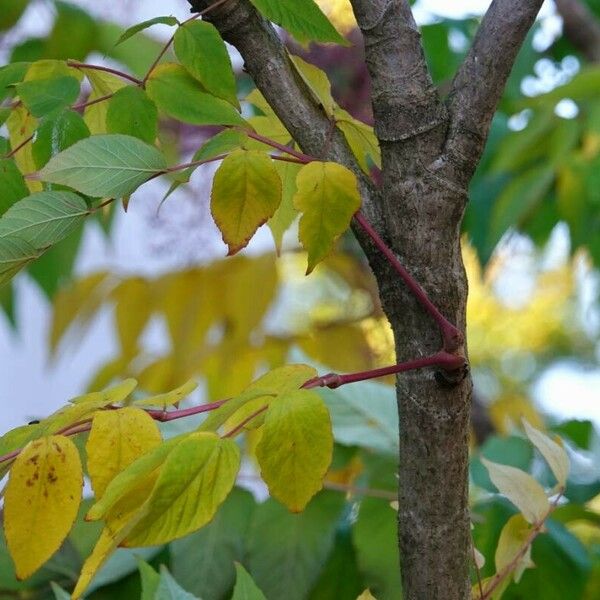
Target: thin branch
[[17, 148], [122, 74], [82, 105], [480, 81], [580, 27], [452, 336], [405, 101], [443, 359], [243, 423], [495, 581]]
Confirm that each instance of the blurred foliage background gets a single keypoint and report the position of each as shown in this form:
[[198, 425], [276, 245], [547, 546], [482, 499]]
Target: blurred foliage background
[[532, 250]]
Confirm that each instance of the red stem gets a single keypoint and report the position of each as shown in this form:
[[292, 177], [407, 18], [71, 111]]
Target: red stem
[[79, 65], [81, 105], [452, 337], [303, 158], [443, 359], [21, 145], [247, 420]]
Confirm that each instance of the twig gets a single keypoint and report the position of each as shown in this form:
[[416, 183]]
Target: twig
[[122, 74]]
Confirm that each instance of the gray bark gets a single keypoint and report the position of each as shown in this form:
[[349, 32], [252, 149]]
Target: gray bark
[[429, 152]]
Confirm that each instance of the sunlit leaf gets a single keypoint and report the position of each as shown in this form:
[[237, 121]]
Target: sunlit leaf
[[41, 501], [246, 192], [554, 454], [169, 398], [296, 447], [521, 489], [194, 480], [117, 438], [327, 197]]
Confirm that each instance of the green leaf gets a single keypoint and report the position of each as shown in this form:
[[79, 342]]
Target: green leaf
[[15, 253], [57, 132], [246, 192], [42, 96], [180, 96], [10, 75], [203, 562], [364, 414], [131, 112], [201, 50], [302, 18], [327, 197], [296, 448], [11, 13], [376, 542], [169, 589], [59, 593], [521, 489], [149, 579], [194, 480], [245, 588], [44, 218], [131, 31], [12, 184], [105, 165], [285, 215], [287, 551]]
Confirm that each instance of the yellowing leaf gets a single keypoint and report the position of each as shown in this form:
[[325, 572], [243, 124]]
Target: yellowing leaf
[[272, 384], [41, 501], [554, 454], [112, 535], [366, 595], [512, 539], [246, 192], [195, 479], [361, 138], [327, 197], [285, 215], [169, 398], [138, 474], [318, 83], [117, 438], [521, 489], [296, 447], [21, 125], [113, 395], [103, 84], [132, 312]]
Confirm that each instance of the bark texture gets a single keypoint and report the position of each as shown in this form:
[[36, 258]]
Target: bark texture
[[430, 150]]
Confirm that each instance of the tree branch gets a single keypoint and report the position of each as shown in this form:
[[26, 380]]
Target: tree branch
[[580, 27], [405, 101], [267, 61], [479, 83]]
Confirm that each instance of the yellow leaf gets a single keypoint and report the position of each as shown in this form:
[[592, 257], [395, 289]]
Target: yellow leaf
[[366, 595], [112, 535], [133, 310], [285, 215], [512, 539], [327, 197], [361, 138], [113, 395], [194, 480], [77, 302], [317, 82], [267, 127], [117, 438], [506, 412], [246, 192], [142, 473], [169, 398], [21, 125], [272, 384], [296, 447], [103, 84], [554, 454], [521, 489], [41, 501]]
